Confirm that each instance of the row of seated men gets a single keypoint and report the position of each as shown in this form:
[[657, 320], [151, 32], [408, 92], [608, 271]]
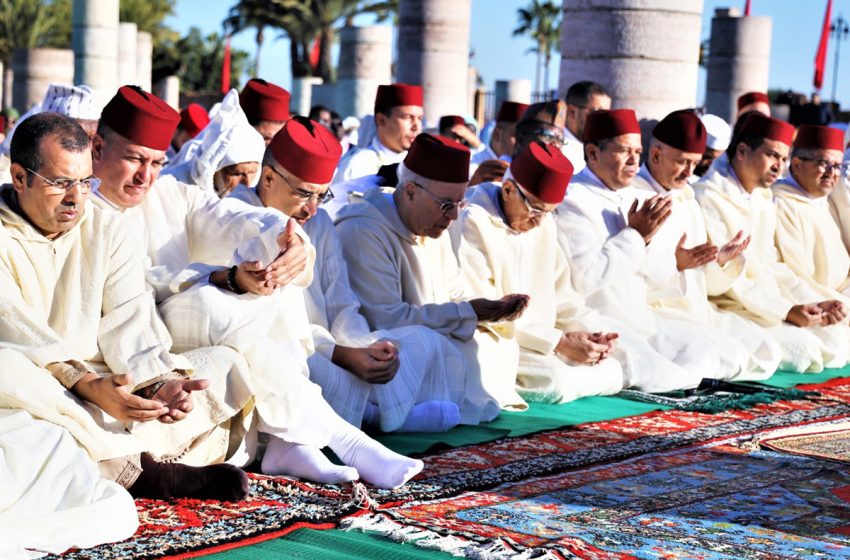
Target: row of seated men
[[164, 326]]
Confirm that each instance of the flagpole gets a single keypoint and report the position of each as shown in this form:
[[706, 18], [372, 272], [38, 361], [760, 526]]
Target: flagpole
[[840, 28]]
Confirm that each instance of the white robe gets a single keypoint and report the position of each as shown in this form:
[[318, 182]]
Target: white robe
[[808, 239], [360, 162], [53, 497], [574, 150], [610, 268], [767, 289], [81, 298], [335, 318], [401, 279], [839, 206], [685, 298], [497, 261]]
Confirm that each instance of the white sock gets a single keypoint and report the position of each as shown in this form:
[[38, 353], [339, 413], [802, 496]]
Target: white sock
[[303, 461], [431, 416], [376, 464]]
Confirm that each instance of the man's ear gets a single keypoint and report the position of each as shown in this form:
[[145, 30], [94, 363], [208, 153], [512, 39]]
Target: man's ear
[[591, 151], [19, 176], [655, 154], [96, 147], [380, 120]]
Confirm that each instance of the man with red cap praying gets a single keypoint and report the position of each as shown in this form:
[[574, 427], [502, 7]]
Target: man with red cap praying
[[808, 240], [582, 99], [735, 196], [395, 379], [510, 244], [677, 145], [403, 269], [503, 139], [193, 119], [398, 120], [606, 229], [266, 105], [753, 101]]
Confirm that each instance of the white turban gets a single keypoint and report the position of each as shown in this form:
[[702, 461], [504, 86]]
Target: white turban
[[718, 132], [228, 139]]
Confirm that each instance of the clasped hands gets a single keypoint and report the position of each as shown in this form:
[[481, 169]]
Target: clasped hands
[[824, 313]]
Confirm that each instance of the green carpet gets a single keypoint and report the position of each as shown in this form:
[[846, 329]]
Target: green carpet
[[332, 544]]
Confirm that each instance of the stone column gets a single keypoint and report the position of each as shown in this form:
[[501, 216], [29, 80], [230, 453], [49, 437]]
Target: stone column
[[168, 89], [365, 62], [738, 60], [302, 94], [646, 54], [95, 43], [8, 81], [127, 45], [433, 51], [512, 90], [144, 59], [35, 69]]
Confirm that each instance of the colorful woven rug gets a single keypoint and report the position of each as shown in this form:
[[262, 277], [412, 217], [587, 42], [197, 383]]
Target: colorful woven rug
[[669, 484], [824, 442], [190, 528]]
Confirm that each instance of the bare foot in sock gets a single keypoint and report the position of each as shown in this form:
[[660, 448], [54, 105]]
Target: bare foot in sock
[[304, 461], [174, 480], [376, 464], [431, 416]]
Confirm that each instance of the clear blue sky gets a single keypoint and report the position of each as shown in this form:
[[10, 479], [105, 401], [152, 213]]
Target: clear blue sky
[[498, 55]]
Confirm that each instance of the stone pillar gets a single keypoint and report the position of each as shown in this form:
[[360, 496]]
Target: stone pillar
[[8, 81], [738, 60], [365, 62], [323, 94], [512, 90], [646, 54], [95, 43], [144, 59], [35, 69], [128, 35], [433, 51], [168, 89], [302, 94]]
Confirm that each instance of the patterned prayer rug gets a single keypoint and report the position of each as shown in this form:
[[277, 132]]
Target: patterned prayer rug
[[668, 484], [190, 528], [825, 442]]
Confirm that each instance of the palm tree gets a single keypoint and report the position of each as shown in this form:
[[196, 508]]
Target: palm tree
[[541, 21], [28, 24]]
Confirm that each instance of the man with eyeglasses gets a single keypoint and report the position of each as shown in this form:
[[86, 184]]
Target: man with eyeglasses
[[404, 272], [582, 99], [699, 267], [607, 228], [735, 196], [807, 237], [402, 379], [83, 345], [509, 244], [503, 138]]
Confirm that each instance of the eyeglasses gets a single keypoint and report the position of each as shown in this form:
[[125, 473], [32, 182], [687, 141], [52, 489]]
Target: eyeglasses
[[446, 206], [532, 211], [62, 186], [305, 197], [827, 167]]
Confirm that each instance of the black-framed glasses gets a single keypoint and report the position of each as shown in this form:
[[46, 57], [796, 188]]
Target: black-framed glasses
[[825, 166], [446, 206], [304, 197], [533, 212], [64, 185]]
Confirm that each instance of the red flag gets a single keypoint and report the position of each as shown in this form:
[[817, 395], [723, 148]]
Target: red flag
[[314, 54], [747, 8], [820, 57], [225, 68]]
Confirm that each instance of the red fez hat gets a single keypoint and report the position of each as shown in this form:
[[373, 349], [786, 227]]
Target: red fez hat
[[543, 171], [752, 97], [264, 101], [608, 124], [398, 95], [449, 121], [757, 124], [819, 138], [307, 149], [141, 117], [438, 158], [511, 111], [193, 119], [682, 130]]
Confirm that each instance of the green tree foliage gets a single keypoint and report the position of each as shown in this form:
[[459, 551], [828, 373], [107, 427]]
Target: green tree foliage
[[197, 61], [541, 21], [303, 22], [28, 24]]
